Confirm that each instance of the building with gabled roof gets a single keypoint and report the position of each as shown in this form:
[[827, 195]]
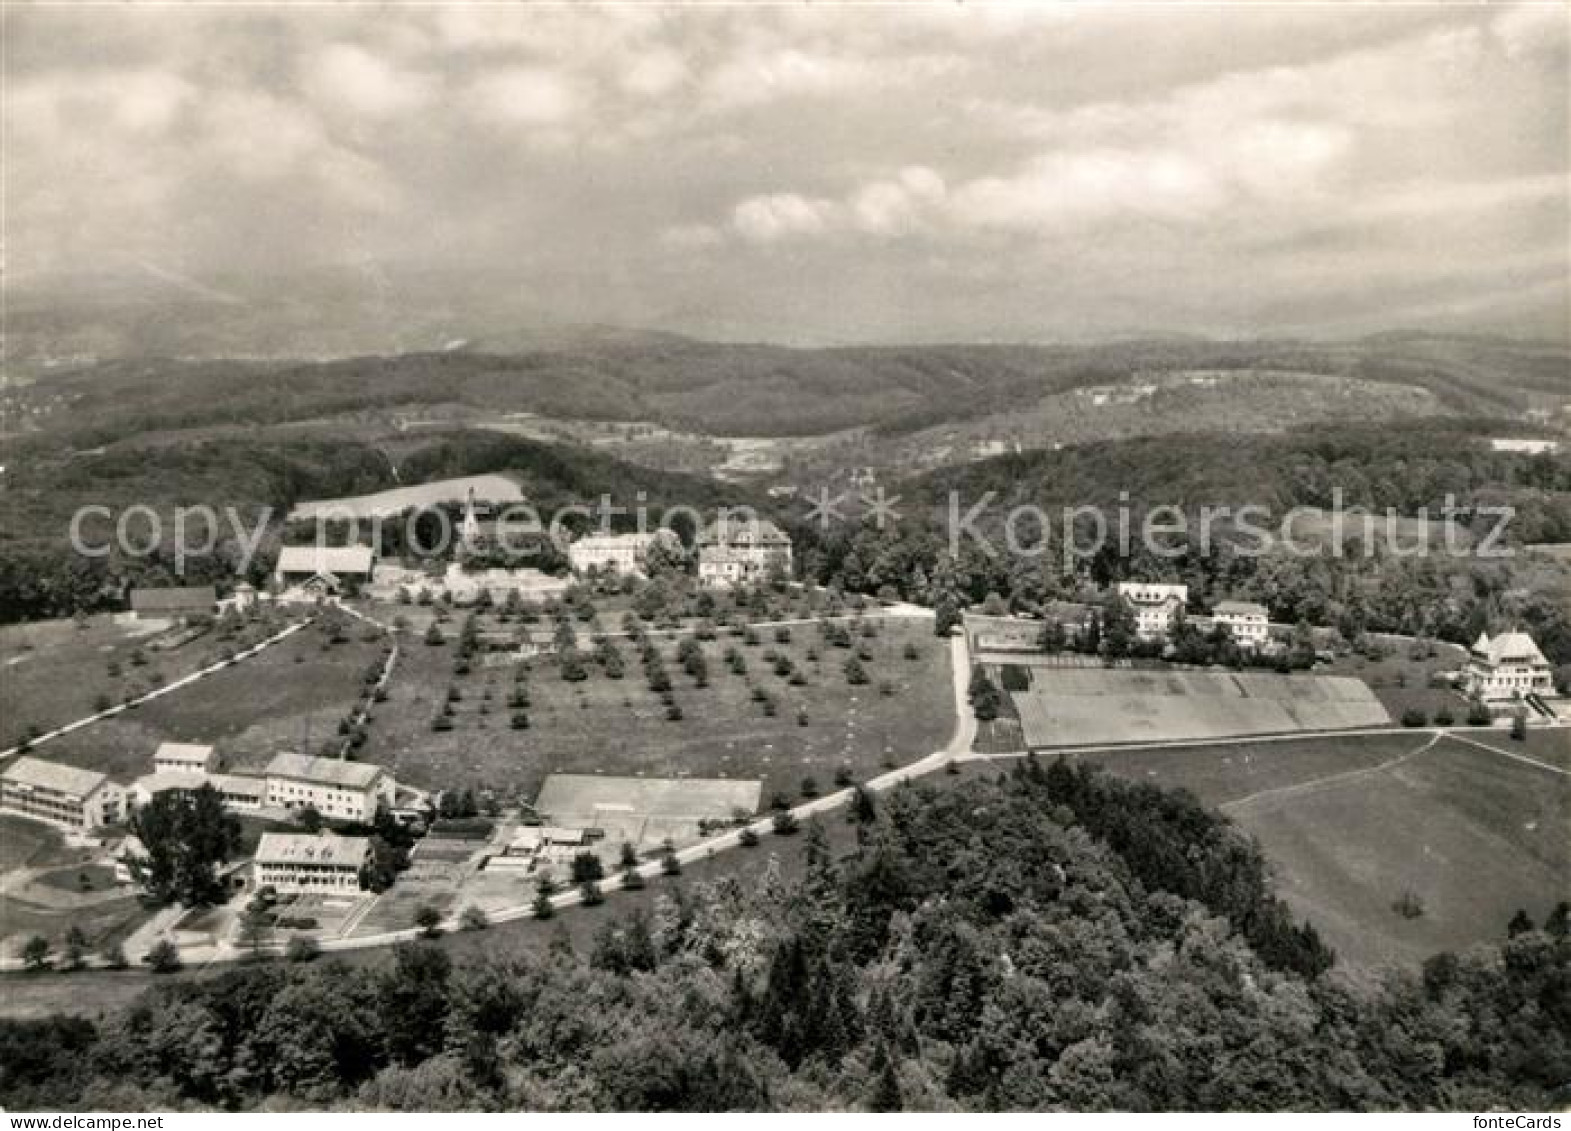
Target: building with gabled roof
[[175, 602], [184, 758], [60, 794], [1507, 666], [1247, 621], [324, 567], [733, 551], [302, 862], [337, 789]]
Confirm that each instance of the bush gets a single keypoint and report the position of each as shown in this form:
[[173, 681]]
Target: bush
[[1414, 717], [164, 957], [473, 919], [542, 907], [1444, 717], [429, 920], [1478, 715], [593, 896], [747, 838], [785, 823], [1408, 905], [302, 948]]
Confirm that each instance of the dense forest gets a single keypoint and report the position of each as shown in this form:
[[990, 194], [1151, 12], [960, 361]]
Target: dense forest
[[741, 389], [1451, 596], [1052, 938]]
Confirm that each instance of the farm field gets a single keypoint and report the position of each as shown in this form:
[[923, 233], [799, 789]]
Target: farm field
[[1352, 825], [487, 488], [620, 727], [264, 704], [52, 672], [1090, 706]]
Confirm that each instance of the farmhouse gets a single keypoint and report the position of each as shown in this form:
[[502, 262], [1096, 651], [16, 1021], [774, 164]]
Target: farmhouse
[[62, 795], [324, 568], [345, 791], [1250, 623], [619, 553], [299, 862], [173, 603], [1156, 605], [733, 551], [184, 758], [1507, 666]]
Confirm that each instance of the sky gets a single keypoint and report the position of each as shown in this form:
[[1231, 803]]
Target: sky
[[817, 173]]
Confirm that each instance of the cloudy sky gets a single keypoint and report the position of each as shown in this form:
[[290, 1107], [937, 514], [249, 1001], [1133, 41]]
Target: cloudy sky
[[815, 173]]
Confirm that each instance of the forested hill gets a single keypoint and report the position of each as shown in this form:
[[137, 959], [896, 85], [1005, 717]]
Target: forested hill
[[1401, 466], [738, 389], [41, 576], [1050, 939]]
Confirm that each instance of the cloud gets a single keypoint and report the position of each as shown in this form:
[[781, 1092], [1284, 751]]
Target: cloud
[[777, 216], [528, 96], [348, 76]]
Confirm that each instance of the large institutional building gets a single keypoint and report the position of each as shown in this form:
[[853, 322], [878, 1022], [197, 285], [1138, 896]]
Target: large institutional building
[[338, 790], [1156, 605], [1507, 666], [326, 568], [619, 553], [734, 551], [59, 794], [300, 862]]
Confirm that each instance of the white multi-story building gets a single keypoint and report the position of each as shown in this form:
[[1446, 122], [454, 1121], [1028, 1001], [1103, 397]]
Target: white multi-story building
[[59, 794], [1156, 605], [619, 553], [184, 758], [300, 862], [338, 790], [1507, 666], [1250, 623], [736, 550]]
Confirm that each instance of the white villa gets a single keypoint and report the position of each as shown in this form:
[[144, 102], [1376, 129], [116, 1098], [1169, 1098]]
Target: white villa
[[59, 794], [1250, 623], [300, 862], [1507, 666], [733, 551], [1156, 605], [343, 791]]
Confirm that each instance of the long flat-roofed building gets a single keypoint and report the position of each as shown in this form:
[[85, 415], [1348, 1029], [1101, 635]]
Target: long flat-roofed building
[[324, 567], [60, 794], [301, 862], [340, 790]]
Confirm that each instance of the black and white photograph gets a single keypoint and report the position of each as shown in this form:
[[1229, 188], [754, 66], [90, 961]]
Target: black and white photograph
[[784, 557]]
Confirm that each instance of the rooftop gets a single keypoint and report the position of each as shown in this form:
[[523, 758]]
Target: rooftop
[[1508, 647], [174, 597], [324, 771], [1240, 609], [191, 752], [304, 848], [325, 559], [39, 774]]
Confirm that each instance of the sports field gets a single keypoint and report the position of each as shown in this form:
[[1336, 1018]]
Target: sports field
[[644, 811], [1093, 706], [1352, 823]]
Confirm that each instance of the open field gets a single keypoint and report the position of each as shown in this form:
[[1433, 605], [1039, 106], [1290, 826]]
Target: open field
[[101, 922], [619, 726], [1402, 679], [1352, 823], [487, 488], [52, 672], [25, 843], [1089, 706], [267, 703]]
